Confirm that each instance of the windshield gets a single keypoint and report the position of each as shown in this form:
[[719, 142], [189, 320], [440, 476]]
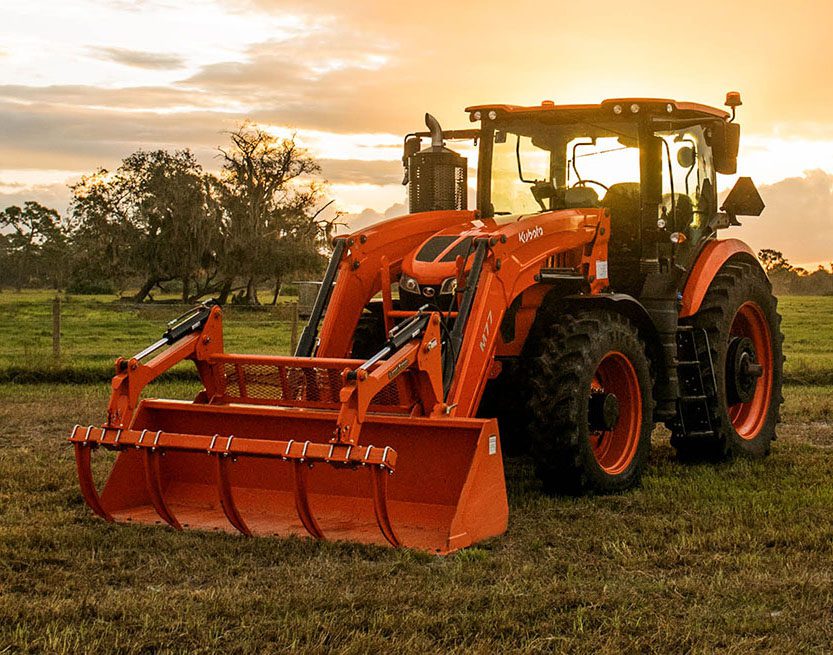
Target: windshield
[[537, 167]]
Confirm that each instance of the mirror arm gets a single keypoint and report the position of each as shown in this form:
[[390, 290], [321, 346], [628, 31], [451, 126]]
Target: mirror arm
[[722, 220]]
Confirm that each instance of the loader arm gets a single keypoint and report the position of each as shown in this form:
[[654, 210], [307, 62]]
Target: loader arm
[[359, 274], [195, 335], [415, 346]]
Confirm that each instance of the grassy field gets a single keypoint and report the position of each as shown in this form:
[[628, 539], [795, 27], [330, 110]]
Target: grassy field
[[735, 558], [96, 330]]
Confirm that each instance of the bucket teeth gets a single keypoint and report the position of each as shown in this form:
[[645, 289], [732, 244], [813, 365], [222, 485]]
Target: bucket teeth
[[227, 498], [302, 501], [153, 481], [379, 479], [380, 462], [83, 450]]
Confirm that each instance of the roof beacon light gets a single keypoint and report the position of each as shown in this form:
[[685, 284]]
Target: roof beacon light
[[733, 100]]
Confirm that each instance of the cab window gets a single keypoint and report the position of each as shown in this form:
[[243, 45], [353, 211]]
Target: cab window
[[687, 179]]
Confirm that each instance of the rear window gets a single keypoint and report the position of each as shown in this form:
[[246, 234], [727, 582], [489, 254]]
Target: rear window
[[432, 248]]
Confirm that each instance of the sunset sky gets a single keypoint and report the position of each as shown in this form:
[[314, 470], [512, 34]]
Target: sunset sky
[[84, 83]]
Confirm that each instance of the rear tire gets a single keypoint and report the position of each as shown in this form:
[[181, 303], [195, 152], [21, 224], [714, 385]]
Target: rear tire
[[739, 305], [590, 354]]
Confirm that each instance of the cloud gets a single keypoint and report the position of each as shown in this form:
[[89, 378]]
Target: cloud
[[355, 171], [139, 59], [361, 220], [83, 138], [798, 219], [55, 196]]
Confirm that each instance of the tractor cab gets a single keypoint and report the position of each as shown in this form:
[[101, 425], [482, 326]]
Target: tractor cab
[[651, 163]]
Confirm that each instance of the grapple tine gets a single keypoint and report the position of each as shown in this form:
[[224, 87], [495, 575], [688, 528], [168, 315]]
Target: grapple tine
[[379, 479], [83, 452], [153, 481], [302, 501], [227, 498]]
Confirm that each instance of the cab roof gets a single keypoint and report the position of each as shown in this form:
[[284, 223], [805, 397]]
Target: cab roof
[[663, 106]]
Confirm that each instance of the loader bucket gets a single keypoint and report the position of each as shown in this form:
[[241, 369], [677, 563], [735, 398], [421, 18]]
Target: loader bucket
[[434, 484]]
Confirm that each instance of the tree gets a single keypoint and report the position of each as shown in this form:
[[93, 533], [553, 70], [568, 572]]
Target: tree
[[103, 234], [271, 227], [773, 260], [152, 217], [33, 246]]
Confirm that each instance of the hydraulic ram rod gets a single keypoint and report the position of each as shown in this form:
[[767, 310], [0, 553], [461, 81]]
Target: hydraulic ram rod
[[189, 322]]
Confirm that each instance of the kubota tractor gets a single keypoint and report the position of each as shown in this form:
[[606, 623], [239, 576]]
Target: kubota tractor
[[586, 298]]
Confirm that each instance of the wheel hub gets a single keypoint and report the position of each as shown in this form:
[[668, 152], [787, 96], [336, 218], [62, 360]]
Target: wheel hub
[[603, 411], [742, 370]]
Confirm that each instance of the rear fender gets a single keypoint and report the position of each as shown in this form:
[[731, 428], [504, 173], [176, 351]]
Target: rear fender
[[709, 261]]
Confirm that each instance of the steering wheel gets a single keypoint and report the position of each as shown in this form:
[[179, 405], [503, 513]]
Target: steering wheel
[[586, 182]]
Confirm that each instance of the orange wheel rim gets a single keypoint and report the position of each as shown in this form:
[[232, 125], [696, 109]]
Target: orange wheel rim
[[748, 418], [615, 449]]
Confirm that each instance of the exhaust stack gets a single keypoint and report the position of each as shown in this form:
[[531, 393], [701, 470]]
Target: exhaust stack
[[436, 176]]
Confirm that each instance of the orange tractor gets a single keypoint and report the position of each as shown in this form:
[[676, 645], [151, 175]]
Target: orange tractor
[[584, 300]]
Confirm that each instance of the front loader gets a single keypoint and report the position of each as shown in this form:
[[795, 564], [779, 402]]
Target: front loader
[[585, 299]]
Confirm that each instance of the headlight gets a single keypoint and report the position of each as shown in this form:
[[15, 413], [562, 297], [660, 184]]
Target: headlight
[[449, 285], [408, 283]]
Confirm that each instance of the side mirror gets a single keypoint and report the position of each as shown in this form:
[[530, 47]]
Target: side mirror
[[743, 200], [725, 142], [685, 157]]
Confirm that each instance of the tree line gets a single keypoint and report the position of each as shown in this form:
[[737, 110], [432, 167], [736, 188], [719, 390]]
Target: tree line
[[160, 221], [794, 280]]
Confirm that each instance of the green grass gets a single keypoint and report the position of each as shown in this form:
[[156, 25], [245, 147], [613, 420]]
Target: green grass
[[97, 329], [735, 558], [808, 329]]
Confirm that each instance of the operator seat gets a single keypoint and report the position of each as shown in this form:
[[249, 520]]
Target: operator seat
[[685, 210], [625, 245]]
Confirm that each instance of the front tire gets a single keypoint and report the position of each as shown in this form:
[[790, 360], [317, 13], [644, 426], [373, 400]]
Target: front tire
[[590, 404]]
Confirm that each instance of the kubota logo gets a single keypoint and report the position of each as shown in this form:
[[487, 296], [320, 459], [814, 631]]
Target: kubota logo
[[530, 234]]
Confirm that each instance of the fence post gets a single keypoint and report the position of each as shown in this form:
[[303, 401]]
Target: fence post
[[56, 328], [293, 335]]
